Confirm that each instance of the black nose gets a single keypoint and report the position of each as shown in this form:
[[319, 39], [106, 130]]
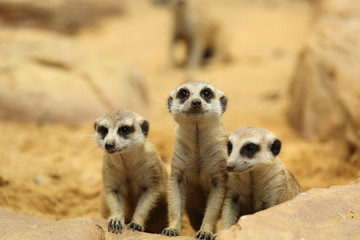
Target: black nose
[[109, 146], [230, 168], [196, 103]]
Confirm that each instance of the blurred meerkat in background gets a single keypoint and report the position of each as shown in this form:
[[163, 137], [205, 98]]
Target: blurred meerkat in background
[[258, 179], [199, 31], [134, 176]]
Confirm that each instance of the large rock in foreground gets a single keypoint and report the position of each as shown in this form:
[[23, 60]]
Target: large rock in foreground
[[17, 227], [325, 91], [332, 213]]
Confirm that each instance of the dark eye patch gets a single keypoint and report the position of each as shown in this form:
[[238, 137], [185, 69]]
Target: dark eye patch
[[229, 147], [103, 131], [183, 94], [125, 130], [249, 150], [207, 94]]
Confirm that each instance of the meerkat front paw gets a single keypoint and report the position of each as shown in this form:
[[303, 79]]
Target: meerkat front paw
[[203, 235], [214, 236], [170, 232], [135, 226], [115, 225]]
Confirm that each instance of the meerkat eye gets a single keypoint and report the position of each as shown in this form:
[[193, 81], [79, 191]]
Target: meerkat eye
[[183, 93], [252, 147], [103, 131], [249, 150], [229, 147], [124, 130], [207, 93]]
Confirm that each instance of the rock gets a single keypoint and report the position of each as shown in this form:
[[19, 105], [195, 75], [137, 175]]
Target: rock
[[332, 213], [16, 227], [325, 91], [65, 16], [48, 77]]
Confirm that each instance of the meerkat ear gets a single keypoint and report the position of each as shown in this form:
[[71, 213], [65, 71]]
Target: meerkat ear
[[95, 125], [144, 127], [169, 102], [223, 103], [275, 147]]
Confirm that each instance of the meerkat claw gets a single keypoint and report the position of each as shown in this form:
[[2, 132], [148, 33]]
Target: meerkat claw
[[109, 225], [115, 226], [203, 235], [135, 226], [118, 228], [169, 232]]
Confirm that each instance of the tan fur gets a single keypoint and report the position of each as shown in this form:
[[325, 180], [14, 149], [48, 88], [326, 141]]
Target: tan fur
[[198, 176], [197, 28], [134, 177], [256, 183]]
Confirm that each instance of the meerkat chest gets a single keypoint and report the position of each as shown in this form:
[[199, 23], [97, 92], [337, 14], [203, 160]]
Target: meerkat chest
[[240, 183], [131, 180]]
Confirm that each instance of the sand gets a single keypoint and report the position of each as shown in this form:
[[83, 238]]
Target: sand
[[53, 171]]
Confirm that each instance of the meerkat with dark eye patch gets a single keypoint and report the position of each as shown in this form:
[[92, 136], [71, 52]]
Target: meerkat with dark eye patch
[[134, 177], [198, 29], [258, 179], [198, 175]]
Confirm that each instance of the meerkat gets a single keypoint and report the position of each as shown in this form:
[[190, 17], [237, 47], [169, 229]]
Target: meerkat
[[134, 176], [258, 179], [197, 28], [198, 175]]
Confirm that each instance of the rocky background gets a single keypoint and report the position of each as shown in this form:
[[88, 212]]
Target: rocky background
[[63, 63]]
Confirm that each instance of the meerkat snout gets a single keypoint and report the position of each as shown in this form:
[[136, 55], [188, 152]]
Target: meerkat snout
[[196, 103], [109, 146]]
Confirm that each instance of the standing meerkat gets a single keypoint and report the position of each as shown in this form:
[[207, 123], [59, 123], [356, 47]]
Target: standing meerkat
[[258, 179], [134, 177], [197, 28], [198, 175]]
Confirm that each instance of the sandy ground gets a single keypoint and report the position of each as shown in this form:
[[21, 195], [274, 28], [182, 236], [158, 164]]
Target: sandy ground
[[54, 171]]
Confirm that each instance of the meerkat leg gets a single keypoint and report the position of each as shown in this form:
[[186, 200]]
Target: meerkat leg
[[146, 202], [176, 199], [195, 55], [114, 201], [231, 211], [213, 209]]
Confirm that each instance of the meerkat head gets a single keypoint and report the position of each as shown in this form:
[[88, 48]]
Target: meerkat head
[[251, 147], [196, 100], [120, 131]]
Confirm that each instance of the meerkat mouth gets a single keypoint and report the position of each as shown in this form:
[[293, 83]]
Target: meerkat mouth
[[194, 111], [115, 151]]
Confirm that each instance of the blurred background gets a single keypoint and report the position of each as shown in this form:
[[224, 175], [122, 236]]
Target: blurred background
[[294, 70]]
